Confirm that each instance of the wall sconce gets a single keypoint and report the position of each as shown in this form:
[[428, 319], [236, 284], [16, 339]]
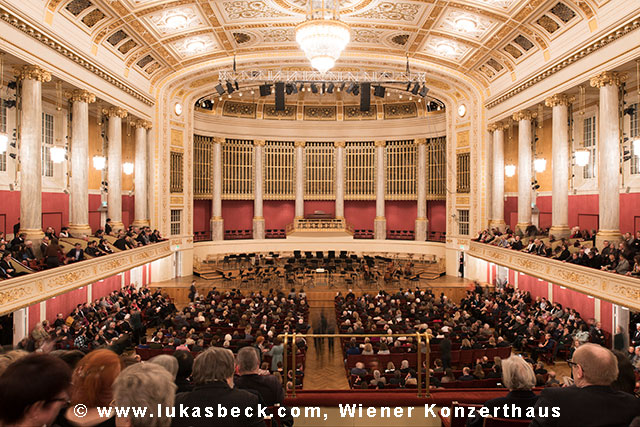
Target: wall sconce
[[127, 168], [4, 143], [540, 165], [510, 170], [99, 162], [58, 154], [635, 144], [582, 157]]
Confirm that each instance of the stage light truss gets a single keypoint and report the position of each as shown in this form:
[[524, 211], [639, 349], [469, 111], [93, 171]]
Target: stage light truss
[[382, 77]]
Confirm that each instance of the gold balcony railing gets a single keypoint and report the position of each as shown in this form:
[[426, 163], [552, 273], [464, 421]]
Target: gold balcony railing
[[419, 337]]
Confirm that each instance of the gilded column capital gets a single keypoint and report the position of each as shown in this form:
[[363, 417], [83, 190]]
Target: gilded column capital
[[608, 78], [258, 142], [32, 72], [421, 141], [525, 115], [299, 144], [339, 144], [559, 99], [494, 126], [218, 140], [141, 124], [80, 95], [381, 143], [115, 112]]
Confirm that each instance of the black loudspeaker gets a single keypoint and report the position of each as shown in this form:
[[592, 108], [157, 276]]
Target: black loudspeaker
[[279, 96], [265, 90], [365, 96]]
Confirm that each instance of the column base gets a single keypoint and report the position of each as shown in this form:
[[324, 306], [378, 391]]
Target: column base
[[498, 223], [116, 226], [612, 236], [559, 231], [380, 228], [79, 230], [422, 226], [33, 234], [217, 229], [140, 223], [258, 228], [522, 226]]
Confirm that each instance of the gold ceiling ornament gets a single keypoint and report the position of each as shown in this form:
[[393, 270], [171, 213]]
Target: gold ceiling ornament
[[32, 72], [323, 36], [608, 78], [559, 99], [115, 112], [524, 115], [80, 95]]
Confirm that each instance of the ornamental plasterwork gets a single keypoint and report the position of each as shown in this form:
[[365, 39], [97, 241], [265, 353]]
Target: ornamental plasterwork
[[239, 109], [269, 112], [184, 46], [278, 35], [319, 112], [446, 48], [400, 111], [159, 19], [449, 23], [251, 10], [353, 112], [366, 35], [392, 11], [504, 4]]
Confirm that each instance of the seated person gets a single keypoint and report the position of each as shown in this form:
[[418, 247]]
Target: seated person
[[466, 375], [359, 370], [76, 254], [7, 269], [92, 249]]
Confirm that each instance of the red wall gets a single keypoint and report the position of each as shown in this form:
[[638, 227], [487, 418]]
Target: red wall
[[582, 303], [105, 287], [128, 210], [66, 302], [326, 206], [437, 215], [237, 214], [360, 213], [583, 211], [536, 287], [34, 316], [201, 215], [278, 213], [606, 316], [401, 214], [94, 214]]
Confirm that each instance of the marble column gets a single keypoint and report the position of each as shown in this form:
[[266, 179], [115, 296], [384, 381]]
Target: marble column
[[217, 223], [497, 182], [299, 207], [141, 206], [608, 155], [422, 223], [258, 215], [114, 165], [31, 78], [524, 167], [340, 170], [79, 173], [380, 222], [560, 164]]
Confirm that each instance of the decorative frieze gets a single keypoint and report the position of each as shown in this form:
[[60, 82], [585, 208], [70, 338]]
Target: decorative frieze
[[141, 124]]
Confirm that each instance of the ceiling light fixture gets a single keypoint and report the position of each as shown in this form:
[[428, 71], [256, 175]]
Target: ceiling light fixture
[[466, 24], [58, 154], [176, 21], [195, 46], [445, 49], [127, 168], [323, 36]]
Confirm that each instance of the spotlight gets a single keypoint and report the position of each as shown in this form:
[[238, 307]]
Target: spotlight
[[424, 91], [289, 88], [356, 90], [342, 86], [265, 90], [12, 85], [301, 88], [415, 89], [314, 88], [408, 86], [9, 103], [330, 88], [294, 89], [237, 85], [12, 155], [351, 87], [230, 88], [379, 91], [220, 89]]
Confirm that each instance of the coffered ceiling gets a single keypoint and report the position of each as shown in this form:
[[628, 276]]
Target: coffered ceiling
[[481, 38]]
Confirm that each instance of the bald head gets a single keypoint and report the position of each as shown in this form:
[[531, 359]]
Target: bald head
[[597, 364]]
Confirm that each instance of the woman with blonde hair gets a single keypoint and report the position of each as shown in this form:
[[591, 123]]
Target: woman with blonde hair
[[91, 386], [367, 350]]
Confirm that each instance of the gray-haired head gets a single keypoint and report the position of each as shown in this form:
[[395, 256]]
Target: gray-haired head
[[169, 363], [145, 385], [214, 364], [247, 360], [517, 374]]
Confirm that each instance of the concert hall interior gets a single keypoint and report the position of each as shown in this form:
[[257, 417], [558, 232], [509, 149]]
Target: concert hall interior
[[312, 204]]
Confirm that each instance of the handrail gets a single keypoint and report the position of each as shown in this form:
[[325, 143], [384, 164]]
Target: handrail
[[285, 337]]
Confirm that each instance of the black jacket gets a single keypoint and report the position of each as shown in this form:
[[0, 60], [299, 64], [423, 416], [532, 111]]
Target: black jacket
[[121, 244], [587, 406], [72, 254], [212, 395], [268, 386]]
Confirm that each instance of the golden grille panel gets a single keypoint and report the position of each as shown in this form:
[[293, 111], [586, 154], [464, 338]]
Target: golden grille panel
[[401, 170], [237, 169], [360, 173], [319, 171], [279, 170], [202, 154]]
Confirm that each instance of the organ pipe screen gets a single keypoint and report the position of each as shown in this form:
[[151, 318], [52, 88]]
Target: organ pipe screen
[[436, 168], [360, 173], [202, 153], [279, 170], [401, 170], [175, 172], [319, 171], [237, 169]]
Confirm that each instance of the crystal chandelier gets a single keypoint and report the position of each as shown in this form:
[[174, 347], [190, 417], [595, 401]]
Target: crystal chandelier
[[323, 36]]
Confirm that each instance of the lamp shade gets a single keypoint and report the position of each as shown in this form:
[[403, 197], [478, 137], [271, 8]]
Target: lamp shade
[[99, 162], [540, 165], [127, 168], [510, 170], [58, 154], [582, 157]]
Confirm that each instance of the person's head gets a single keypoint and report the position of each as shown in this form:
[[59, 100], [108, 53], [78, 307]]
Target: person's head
[[185, 363], [168, 362], [466, 371], [517, 374], [70, 357], [626, 380], [247, 360], [93, 378], [593, 365], [144, 385], [212, 365], [33, 390]]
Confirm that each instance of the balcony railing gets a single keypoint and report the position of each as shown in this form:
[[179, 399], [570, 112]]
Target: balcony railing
[[26, 290], [616, 288]]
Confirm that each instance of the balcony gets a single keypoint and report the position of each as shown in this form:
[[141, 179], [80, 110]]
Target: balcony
[[23, 291], [618, 289]]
